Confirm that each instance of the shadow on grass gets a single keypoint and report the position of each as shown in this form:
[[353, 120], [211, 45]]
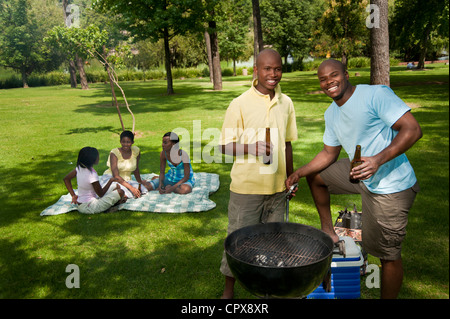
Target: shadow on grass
[[119, 270], [151, 98]]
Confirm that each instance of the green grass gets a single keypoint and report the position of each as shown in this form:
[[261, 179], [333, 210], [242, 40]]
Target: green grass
[[147, 255]]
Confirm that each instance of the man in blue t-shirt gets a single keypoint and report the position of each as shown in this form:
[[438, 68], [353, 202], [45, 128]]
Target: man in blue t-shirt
[[375, 118]]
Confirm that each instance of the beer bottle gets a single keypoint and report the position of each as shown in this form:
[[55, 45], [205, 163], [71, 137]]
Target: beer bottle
[[267, 158], [355, 162]]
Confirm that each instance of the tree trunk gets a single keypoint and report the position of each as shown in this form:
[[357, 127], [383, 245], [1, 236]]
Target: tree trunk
[[344, 60], [72, 68], [73, 74], [258, 43], [423, 47], [379, 41], [167, 62], [257, 29], [83, 77], [24, 79], [217, 71], [208, 53]]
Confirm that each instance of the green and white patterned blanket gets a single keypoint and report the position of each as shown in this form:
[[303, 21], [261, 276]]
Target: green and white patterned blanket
[[196, 201]]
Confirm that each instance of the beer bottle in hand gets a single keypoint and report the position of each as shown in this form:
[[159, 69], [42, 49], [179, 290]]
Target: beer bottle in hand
[[267, 157], [355, 162]]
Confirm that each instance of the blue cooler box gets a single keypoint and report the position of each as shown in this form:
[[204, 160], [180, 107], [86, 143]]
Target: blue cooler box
[[345, 274]]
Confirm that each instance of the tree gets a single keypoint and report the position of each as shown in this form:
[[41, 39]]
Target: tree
[[215, 56], [344, 22], [21, 45], [379, 42], [76, 42], [418, 25], [146, 56], [287, 25], [234, 29], [71, 62], [157, 19], [211, 7]]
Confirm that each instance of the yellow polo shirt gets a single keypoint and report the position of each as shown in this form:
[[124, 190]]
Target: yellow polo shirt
[[245, 122]]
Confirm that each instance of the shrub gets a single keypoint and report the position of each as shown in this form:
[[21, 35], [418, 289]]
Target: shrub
[[227, 72], [312, 65], [94, 76], [358, 62], [155, 74], [11, 82], [186, 73]]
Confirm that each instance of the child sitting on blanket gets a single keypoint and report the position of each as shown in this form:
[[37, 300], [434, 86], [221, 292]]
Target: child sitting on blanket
[[180, 177], [124, 161], [91, 198]]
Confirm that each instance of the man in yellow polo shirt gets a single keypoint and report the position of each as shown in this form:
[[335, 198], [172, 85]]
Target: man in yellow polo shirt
[[257, 189]]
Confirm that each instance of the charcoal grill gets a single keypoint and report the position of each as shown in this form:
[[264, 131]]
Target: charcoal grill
[[279, 260]]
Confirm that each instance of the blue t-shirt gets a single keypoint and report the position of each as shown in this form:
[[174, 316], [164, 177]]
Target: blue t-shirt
[[366, 119]]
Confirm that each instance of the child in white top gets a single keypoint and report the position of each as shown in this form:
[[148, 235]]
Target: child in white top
[[91, 197]]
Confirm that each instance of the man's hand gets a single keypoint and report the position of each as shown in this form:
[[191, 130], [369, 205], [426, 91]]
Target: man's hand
[[292, 180], [260, 148], [366, 170]]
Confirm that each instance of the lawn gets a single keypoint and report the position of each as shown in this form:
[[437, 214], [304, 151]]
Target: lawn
[[147, 255]]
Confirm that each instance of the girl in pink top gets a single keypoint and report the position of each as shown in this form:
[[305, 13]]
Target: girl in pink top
[[91, 197]]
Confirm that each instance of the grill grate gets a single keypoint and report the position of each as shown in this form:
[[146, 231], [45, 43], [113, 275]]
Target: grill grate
[[279, 249]]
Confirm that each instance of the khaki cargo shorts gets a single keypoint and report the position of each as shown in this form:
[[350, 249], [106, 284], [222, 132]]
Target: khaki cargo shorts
[[384, 216]]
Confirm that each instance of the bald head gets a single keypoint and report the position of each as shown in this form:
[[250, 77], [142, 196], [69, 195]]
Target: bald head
[[334, 63], [267, 53]]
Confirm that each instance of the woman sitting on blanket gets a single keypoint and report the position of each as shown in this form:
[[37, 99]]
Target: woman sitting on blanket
[[124, 161], [180, 177], [91, 198]]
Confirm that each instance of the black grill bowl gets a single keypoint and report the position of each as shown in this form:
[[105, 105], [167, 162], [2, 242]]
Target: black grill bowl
[[279, 260]]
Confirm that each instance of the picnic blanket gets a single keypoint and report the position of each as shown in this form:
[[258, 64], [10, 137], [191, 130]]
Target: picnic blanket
[[196, 201]]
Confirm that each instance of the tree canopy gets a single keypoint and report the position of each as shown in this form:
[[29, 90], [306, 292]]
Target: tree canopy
[[177, 31], [420, 27], [21, 44], [287, 25], [155, 19]]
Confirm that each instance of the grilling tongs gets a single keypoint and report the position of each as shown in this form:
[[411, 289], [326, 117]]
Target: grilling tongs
[[288, 195]]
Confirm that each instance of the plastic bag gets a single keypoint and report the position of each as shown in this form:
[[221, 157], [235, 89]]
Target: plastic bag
[[349, 223]]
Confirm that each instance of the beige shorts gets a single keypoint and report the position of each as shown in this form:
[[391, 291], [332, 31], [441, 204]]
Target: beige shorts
[[384, 216], [99, 205], [246, 210]]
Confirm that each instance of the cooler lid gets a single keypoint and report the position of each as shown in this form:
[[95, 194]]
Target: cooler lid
[[352, 250]]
